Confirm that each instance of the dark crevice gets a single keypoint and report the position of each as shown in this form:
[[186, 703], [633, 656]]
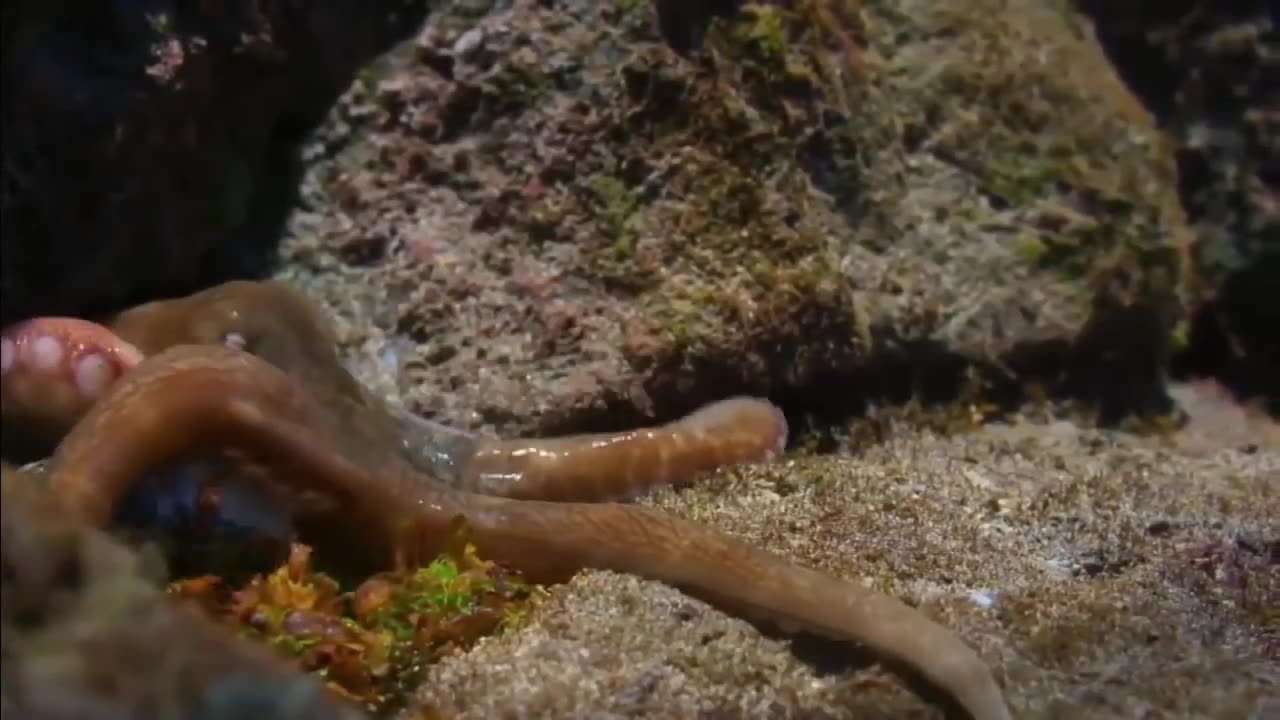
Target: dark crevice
[[1113, 386], [1201, 69], [684, 23], [831, 657], [1235, 338], [1142, 65]]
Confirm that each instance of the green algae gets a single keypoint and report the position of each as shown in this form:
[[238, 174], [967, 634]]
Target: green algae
[[820, 182], [370, 644], [789, 105], [1033, 138], [702, 242]]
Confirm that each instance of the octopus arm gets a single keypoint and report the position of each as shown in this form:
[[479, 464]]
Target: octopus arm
[[189, 398]]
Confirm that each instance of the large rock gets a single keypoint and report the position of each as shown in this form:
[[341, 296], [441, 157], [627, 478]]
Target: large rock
[[549, 218]]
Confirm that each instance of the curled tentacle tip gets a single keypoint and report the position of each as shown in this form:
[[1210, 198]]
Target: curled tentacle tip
[[755, 427], [57, 365], [767, 425], [770, 424]]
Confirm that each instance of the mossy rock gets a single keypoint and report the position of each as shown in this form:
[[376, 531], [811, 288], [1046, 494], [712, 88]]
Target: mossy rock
[[827, 202]]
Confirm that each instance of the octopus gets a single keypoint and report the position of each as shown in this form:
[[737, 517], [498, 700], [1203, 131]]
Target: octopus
[[252, 371]]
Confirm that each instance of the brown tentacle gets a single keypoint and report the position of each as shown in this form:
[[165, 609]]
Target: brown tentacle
[[551, 539], [189, 399], [279, 324], [611, 466]]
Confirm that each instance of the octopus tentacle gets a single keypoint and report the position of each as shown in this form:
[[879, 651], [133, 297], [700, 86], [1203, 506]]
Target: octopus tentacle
[[53, 368], [434, 448], [550, 540], [279, 324], [613, 466], [188, 399]]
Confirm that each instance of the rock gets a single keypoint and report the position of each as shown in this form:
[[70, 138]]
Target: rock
[[577, 228]]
